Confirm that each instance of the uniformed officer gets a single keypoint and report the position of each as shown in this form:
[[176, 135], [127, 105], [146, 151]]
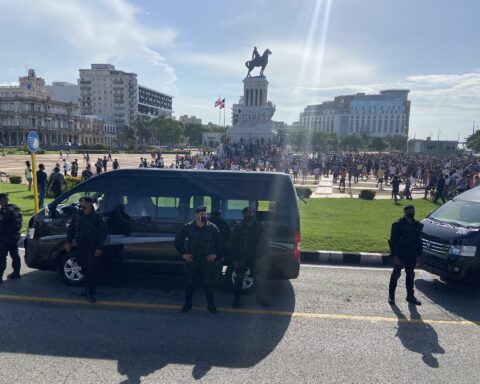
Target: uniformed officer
[[199, 242], [89, 232], [249, 250], [406, 246], [10, 226]]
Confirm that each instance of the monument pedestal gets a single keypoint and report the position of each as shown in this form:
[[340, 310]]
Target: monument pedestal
[[253, 114]]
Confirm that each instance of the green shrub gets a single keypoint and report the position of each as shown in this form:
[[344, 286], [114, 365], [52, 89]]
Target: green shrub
[[15, 179], [367, 194], [303, 192], [70, 183]]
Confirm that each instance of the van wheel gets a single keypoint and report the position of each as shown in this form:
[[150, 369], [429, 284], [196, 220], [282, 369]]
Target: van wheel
[[248, 284], [70, 270]]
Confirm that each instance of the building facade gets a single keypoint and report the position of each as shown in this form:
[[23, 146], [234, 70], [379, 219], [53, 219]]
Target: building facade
[[30, 107], [110, 93], [185, 119], [382, 115], [432, 147], [152, 103], [97, 130], [64, 91]]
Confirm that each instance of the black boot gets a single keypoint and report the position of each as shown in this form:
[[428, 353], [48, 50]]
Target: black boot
[[209, 294], [188, 299], [90, 298], [413, 300]]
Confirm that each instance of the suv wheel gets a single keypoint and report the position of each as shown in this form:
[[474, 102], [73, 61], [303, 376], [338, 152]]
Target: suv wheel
[[70, 270], [248, 283]]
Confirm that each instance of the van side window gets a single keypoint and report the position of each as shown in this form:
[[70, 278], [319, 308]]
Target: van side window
[[70, 204], [148, 208]]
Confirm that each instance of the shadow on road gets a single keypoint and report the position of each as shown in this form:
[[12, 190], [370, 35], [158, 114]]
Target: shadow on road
[[461, 299], [145, 341], [417, 336]]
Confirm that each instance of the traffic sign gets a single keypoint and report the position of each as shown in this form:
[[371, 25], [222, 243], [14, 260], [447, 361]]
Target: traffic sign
[[33, 141]]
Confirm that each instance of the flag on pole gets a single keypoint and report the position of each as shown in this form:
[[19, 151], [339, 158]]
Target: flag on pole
[[222, 103], [218, 102]]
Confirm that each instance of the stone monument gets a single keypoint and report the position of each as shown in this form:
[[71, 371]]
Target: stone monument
[[252, 116]]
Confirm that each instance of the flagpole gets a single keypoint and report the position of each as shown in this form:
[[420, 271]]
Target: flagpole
[[219, 111], [224, 108]]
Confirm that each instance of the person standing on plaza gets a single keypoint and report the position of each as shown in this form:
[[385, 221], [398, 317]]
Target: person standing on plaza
[[56, 182], [89, 232], [104, 163], [199, 242], [10, 226], [395, 188], [87, 173], [115, 164], [440, 189], [405, 246], [65, 167], [249, 251], [28, 174], [41, 185]]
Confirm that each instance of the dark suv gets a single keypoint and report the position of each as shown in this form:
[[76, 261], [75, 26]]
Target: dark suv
[[145, 208], [451, 238]]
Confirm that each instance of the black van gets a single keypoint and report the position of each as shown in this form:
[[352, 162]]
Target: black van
[[451, 238], [145, 208]]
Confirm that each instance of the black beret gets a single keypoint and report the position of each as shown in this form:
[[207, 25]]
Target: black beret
[[202, 208], [248, 211], [408, 207]]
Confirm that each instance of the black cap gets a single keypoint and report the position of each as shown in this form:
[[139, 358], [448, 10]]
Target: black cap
[[408, 207], [3, 195], [248, 211], [202, 208]]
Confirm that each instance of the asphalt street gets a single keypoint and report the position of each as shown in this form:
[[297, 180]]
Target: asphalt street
[[331, 325]]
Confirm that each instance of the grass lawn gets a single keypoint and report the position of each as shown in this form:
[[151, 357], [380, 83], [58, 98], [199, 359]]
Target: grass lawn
[[352, 224], [326, 224], [19, 195]]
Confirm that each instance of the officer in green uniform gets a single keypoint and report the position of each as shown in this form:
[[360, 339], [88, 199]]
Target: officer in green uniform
[[10, 226], [199, 243], [249, 251], [89, 232]]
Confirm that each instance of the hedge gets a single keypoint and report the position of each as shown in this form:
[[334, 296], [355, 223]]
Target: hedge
[[15, 179], [367, 194], [304, 192]]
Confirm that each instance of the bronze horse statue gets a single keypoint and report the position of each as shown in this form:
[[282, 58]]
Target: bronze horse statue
[[260, 61]]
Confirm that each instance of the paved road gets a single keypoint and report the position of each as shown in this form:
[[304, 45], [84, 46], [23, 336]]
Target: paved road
[[332, 325]]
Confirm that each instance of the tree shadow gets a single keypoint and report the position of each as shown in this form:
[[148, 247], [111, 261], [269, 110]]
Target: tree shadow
[[461, 299], [145, 341], [418, 336]]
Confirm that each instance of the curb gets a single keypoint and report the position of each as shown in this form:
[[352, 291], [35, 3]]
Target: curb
[[347, 258]]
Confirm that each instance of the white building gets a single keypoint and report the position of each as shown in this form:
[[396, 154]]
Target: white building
[[185, 119], [211, 139], [109, 93], [64, 91], [382, 115], [30, 107]]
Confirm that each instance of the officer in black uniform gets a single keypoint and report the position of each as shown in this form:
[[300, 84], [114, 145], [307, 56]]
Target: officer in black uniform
[[89, 232], [10, 226], [405, 244], [249, 250], [199, 242]]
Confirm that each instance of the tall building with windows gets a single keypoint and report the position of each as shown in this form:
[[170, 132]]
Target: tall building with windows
[[30, 107], [110, 93], [382, 115], [64, 91], [152, 103]]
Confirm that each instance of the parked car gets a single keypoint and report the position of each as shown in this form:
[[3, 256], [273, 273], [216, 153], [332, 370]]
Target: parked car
[[451, 238], [145, 208]]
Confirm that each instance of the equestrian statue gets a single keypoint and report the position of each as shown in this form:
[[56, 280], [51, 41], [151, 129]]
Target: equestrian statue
[[258, 61]]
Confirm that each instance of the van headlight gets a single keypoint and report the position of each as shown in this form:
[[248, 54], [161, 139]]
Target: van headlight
[[463, 250]]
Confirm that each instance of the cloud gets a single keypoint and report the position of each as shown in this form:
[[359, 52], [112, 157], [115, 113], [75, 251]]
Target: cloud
[[85, 32]]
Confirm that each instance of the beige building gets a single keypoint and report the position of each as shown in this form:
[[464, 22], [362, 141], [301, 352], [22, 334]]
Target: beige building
[[107, 92], [185, 119], [96, 130], [30, 107]]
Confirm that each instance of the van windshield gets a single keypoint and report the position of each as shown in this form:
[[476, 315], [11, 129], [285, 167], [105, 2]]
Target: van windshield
[[459, 212]]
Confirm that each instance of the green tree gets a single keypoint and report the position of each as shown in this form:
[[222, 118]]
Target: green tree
[[127, 137], [473, 142], [300, 138], [352, 142], [398, 142], [194, 133], [377, 144]]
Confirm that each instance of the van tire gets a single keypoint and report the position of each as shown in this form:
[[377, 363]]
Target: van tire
[[248, 283], [69, 270]]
